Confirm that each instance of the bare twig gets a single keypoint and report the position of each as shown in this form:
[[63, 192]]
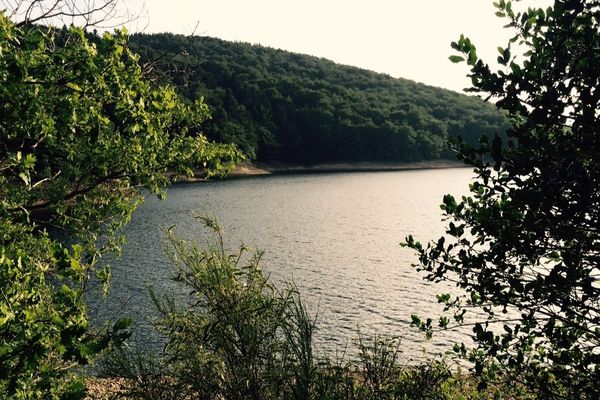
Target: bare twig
[[103, 14]]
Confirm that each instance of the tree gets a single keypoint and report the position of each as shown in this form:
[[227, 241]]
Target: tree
[[81, 135], [82, 13], [280, 106], [525, 245]]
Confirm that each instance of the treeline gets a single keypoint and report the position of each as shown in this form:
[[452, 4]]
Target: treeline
[[277, 105]]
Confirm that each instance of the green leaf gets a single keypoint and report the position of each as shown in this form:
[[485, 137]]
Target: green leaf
[[472, 56], [456, 59], [122, 324], [443, 322], [29, 161], [74, 86], [25, 178]]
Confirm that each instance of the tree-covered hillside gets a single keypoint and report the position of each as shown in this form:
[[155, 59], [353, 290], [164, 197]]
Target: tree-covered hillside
[[277, 105]]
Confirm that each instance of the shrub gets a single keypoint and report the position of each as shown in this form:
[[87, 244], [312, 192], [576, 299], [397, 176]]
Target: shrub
[[240, 337], [525, 244], [81, 134]]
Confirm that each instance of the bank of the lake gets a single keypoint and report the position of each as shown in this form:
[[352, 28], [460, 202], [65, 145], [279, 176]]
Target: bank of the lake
[[254, 168], [275, 168]]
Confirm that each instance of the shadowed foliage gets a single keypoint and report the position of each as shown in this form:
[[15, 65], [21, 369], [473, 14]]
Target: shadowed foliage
[[277, 105], [525, 244]]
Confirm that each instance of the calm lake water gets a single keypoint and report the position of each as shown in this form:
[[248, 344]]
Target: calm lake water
[[335, 235]]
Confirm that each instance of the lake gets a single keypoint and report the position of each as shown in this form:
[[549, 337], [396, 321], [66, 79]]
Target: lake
[[335, 235]]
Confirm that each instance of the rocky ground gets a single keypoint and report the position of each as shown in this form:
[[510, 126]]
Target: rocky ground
[[104, 388]]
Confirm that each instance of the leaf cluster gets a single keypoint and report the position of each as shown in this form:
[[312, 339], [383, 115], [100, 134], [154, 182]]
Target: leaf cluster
[[81, 134], [525, 243]]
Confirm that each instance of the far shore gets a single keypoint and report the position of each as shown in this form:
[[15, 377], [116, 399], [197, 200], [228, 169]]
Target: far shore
[[250, 169]]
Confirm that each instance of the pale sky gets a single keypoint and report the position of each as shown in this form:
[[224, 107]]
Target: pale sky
[[409, 39]]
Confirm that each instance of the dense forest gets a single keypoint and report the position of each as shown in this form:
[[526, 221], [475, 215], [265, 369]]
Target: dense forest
[[281, 106]]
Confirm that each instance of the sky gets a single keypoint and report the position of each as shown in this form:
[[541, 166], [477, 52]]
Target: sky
[[408, 39]]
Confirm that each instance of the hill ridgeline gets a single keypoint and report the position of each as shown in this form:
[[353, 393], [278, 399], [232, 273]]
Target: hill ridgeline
[[293, 108]]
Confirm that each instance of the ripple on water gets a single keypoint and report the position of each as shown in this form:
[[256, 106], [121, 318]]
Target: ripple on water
[[335, 235]]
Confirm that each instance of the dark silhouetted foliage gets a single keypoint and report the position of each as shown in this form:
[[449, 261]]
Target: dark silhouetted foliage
[[526, 244]]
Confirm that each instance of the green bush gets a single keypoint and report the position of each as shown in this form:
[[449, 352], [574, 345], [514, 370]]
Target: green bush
[[240, 337], [524, 244], [81, 134]]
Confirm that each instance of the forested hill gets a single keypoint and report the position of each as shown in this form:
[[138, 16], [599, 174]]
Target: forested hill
[[277, 105]]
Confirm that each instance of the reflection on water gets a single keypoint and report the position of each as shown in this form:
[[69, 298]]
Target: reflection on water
[[335, 235]]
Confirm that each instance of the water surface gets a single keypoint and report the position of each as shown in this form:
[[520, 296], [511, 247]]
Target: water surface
[[336, 235]]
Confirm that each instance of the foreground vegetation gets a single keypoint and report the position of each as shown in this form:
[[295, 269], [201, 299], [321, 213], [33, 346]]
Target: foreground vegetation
[[81, 135], [525, 245], [240, 337]]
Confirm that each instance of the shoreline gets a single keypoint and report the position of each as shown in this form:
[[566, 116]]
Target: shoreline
[[253, 169], [249, 169]]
